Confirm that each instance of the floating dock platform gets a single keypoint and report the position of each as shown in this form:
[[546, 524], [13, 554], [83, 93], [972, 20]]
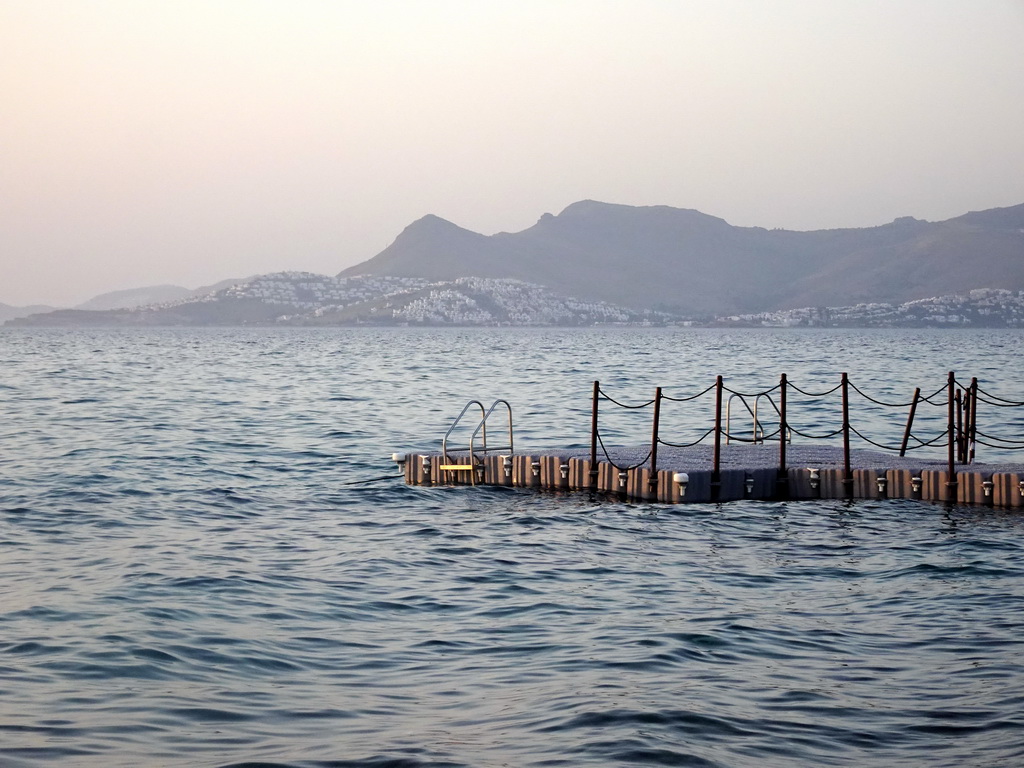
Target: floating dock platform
[[758, 463], [746, 472]]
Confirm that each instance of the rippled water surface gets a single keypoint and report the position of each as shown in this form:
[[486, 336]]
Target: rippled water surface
[[205, 560]]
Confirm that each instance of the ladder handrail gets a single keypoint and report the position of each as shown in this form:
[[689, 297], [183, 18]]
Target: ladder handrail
[[758, 434], [483, 426], [778, 412], [444, 440], [481, 429], [728, 414]]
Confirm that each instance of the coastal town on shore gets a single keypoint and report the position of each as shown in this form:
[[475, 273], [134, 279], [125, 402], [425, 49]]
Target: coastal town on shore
[[309, 299], [981, 307], [488, 301]]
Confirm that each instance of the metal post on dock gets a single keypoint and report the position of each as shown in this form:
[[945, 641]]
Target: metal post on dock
[[910, 420], [961, 444], [965, 434], [716, 471], [972, 430], [652, 481], [783, 477], [593, 436], [847, 471], [951, 428]]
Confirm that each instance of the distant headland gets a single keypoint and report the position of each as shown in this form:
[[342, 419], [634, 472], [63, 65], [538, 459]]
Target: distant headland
[[598, 263]]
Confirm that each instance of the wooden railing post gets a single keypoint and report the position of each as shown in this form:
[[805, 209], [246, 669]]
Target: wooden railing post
[[652, 481], [782, 482], [951, 483], [972, 430], [961, 445], [716, 471], [847, 471], [593, 436], [910, 421]]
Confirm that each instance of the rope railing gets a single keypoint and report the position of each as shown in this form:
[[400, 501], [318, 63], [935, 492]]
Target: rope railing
[[750, 394], [687, 399], [927, 444], [698, 441], [998, 446], [1009, 442], [1008, 403], [815, 394], [627, 468], [608, 397], [868, 397], [771, 402], [866, 439], [997, 402], [753, 440], [960, 434], [815, 437], [931, 398]]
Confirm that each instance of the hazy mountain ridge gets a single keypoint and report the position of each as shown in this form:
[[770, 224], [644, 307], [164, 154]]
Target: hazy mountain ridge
[[7, 312], [304, 298], [307, 299], [130, 298], [695, 264], [595, 262], [133, 298]]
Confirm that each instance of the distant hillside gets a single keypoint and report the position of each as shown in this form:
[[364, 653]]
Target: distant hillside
[[307, 299], [135, 297], [7, 312], [303, 298], [597, 263], [692, 263], [154, 294]]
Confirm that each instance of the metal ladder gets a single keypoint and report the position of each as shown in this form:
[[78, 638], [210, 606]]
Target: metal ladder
[[758, 435], [476, 455]]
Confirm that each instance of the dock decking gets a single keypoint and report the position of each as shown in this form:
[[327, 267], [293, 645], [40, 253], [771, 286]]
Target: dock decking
[[746, 472]]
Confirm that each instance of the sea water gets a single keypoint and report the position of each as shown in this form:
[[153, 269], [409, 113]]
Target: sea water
[[206, 558]]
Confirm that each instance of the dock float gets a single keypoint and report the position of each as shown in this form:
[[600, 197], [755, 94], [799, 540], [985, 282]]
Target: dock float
[[758, 461], [747, 472]]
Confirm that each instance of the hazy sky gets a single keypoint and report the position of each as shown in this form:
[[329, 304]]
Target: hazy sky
[[180, 141]]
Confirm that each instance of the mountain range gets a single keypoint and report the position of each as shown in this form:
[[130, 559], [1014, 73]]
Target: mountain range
[[605, 261], [688, 262], [7, 312], [307, 299], [155, 294], [130, 298]]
